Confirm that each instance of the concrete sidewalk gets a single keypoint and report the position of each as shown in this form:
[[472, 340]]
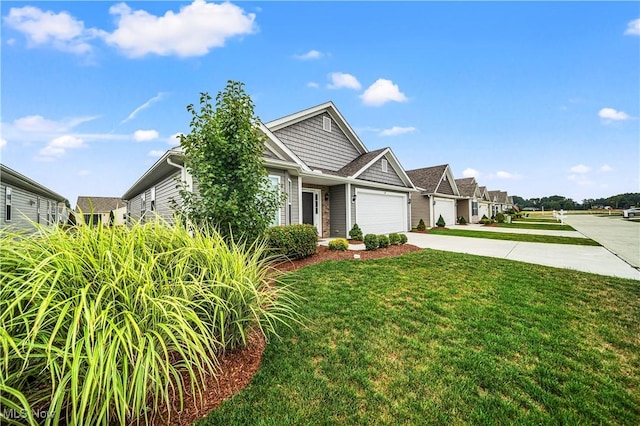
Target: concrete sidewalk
[[597, 260]]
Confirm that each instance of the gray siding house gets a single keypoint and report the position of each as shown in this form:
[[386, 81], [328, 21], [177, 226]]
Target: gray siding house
[[469, 203], [23, 201], [439, 195], [331, 180]]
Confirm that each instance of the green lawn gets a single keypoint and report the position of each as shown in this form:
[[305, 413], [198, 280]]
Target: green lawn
[[546, 226], [536, 219], [446, 338], [531, 238]]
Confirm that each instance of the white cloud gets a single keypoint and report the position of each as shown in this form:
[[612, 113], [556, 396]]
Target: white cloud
[[39, 124], [193, 31], [506, 175], [633, 27], [145, 135], [310, 55], [3, 143], [313, 85], [11, 41], [174, 139], [612, 114], [156, 153], [84, 173], [144, 106], [341, 80], [580, 168], [469, 172], [45, 28], [605, 168], [381, 92], [58, 146], [395, 131]]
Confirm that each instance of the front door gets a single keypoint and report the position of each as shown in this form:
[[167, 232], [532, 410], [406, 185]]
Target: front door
[[312, 208]]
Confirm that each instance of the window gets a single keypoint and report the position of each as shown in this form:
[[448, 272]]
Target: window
[[48, 211], [38, 210], [153, 199], [7, 195], [275, 183], [143, 203], [385, 165], [474, 208], [326, 124]]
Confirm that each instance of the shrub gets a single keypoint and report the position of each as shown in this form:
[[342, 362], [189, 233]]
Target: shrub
[[440, 223], [500, 217], [484, 216], [485, 220], [462, 220], [394, 239], [103, 325], [421, 226], [403, 239], [371, 242], [339, 244], [383, 241], [355, 233], [292, 241]]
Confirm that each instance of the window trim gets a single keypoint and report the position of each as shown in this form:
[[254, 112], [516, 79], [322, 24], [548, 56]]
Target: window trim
[[143, 203], [385, 165], [278, 212], [153, 199], [8, 198]]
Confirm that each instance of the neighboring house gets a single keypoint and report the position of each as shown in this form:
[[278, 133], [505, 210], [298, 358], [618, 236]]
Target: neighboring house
[[468, 206], [330, 178], [499, 200], [101, 209], [484, 204], [439, 195], [23, 201]]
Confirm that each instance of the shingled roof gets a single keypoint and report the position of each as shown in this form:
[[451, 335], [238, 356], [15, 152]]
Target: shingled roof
[[467, 186], [357, 164], [428, 177], [98, 204]]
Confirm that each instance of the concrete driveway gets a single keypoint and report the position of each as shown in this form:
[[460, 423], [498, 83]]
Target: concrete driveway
[[597, 260], [619, 236]]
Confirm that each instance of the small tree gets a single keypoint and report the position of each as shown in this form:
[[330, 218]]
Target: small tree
[[421, 226], [356, 232], [224, 154], [462, 220], [440, 223]]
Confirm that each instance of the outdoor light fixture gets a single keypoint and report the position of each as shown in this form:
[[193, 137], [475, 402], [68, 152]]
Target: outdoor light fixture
[[353, 199], [326, 196], [409, 200]]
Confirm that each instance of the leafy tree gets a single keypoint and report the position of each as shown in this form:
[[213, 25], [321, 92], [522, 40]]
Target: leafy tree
[[224, 154]]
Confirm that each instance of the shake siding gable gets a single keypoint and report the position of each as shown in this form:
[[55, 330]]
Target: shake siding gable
[[375, 174], [316, 147]]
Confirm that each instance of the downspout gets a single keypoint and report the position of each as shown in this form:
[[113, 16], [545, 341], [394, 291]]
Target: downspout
[[184, 174]]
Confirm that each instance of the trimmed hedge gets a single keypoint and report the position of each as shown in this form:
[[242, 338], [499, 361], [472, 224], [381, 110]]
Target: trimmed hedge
[[500, 218], [371, 242], [383, 241], [421, 226], [394, 239], [292, 241], [403, 238], [441, 223], [339, 244]]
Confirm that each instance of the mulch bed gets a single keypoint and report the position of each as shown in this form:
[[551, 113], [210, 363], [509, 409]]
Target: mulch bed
[[238, 367]]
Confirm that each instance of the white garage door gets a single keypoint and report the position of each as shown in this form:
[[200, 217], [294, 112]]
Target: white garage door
[[483, 210], [447, 209], [380, 212]]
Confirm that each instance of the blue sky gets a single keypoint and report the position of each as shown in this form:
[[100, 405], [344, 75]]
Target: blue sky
[[533, 98]]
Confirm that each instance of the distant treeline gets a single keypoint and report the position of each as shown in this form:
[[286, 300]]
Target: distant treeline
[[557, 202]]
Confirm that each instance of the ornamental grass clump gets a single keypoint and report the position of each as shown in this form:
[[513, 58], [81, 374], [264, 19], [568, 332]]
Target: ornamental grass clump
[[105, 325]]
